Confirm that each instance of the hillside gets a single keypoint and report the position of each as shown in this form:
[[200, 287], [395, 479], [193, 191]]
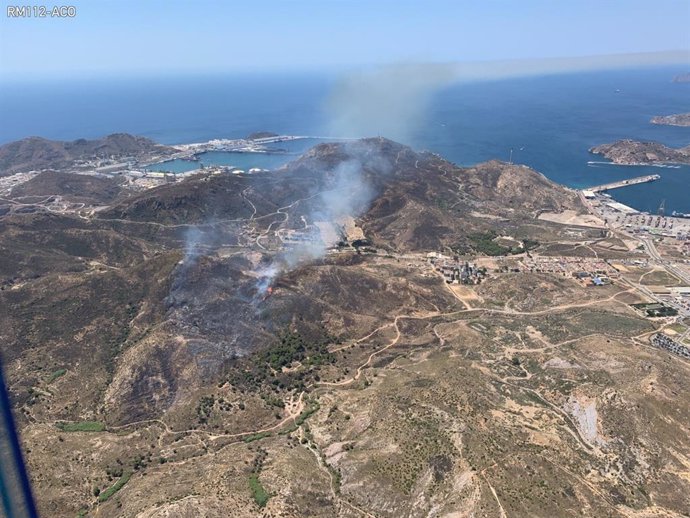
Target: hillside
[[36, 153], [407, 200], [279, 344], [75, 187], [424, 202]]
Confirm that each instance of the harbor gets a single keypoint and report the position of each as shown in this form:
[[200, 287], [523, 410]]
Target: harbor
[[244, 154], [591, 191], [622, 216], [243, 145], [191, 152]]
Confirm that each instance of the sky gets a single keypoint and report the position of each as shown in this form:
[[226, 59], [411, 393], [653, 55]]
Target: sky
[[199, 36]]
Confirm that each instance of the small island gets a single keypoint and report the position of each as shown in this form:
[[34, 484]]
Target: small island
[[633, 152], [678, 119]]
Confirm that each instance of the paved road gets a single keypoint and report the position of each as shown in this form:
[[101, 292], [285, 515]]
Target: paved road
[[654, 254]]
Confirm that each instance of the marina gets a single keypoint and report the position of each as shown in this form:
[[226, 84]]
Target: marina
[[243, 154]]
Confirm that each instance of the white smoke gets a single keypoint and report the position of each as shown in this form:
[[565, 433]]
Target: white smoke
[[193, 241], [392, 100], [348, 193], [386, 101], [266, 275]]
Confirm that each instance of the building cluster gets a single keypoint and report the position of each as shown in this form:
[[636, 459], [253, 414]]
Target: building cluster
[[157, 175], [664, 226], [592, 272], [248, 145], [664, 342], [455, 271], [616, 214], [595, 278], [7, 183], [300, 237]]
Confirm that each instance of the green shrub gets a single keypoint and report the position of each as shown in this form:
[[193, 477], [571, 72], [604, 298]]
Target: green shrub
[[83, 426], [257, 436], [258, 491], [115, 487], [55, 375], [306, 413], [483, 242]]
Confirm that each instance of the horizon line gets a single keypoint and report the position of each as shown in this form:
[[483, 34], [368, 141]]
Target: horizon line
[[540, 65]]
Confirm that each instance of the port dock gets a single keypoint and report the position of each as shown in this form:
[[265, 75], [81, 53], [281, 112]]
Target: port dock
[[623, 183]]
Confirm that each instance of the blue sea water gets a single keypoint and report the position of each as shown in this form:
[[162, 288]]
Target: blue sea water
[[281, 153], [550, 122]]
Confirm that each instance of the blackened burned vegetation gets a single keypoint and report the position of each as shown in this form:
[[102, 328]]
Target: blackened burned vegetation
[[268, 345], [290, 363]]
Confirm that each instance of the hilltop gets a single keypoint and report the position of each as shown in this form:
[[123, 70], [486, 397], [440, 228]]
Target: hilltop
[[419, 201], [424, 202]]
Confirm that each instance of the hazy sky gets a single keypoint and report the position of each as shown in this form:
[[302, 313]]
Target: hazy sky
[[201, 35]]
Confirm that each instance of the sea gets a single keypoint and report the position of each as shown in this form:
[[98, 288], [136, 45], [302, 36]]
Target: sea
[[550, 122]]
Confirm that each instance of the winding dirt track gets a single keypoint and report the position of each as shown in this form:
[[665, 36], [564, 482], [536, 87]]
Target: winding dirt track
[[396, 319]]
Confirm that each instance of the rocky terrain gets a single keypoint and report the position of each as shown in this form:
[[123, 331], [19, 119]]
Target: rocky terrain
[[36, 153], [77, 187], [202, 349], [632, 152], [680, 119]]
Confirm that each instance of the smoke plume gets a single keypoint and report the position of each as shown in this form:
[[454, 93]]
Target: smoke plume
[[387, 101], [347, 191], [392, 100]]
